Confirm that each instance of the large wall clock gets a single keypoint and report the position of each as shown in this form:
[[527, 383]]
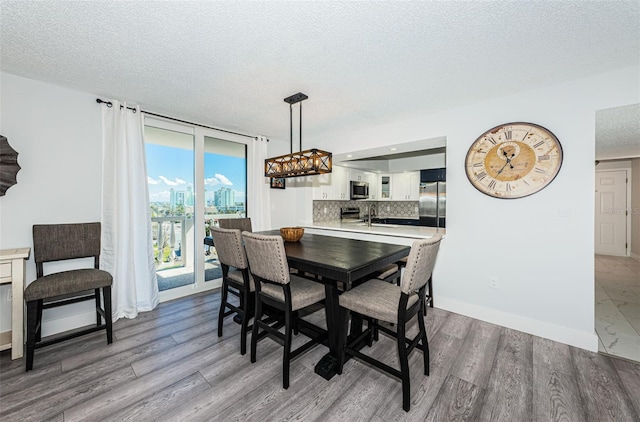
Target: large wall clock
[[513, 160]]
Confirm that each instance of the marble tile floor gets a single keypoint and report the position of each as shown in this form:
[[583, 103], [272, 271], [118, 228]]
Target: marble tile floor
[[617, 309]]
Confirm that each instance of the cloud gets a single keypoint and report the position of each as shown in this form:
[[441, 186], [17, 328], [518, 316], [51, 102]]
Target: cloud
[[152, 181], [223, 179], [172, 183], [218, 179]]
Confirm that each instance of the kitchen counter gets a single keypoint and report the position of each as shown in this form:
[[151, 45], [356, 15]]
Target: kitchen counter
[[410, 232]]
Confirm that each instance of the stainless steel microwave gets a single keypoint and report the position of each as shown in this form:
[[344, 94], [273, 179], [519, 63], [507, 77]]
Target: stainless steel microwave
[[359, 190]]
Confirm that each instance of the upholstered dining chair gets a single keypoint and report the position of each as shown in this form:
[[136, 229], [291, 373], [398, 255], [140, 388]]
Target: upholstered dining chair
[[429, 295], [382, 301], [278, 288], [242, 224], [236, 280], [57, 242]]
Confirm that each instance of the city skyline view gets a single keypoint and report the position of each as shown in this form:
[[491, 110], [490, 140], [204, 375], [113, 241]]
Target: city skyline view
[[171, 168]]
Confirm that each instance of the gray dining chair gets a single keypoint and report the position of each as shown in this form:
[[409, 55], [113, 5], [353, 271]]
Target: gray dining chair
[[381, 301], [60, 242], [429, 295], [242, 224], [236, 280], [289, 293]]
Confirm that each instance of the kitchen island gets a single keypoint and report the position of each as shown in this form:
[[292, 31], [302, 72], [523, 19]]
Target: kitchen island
[[387, 233]]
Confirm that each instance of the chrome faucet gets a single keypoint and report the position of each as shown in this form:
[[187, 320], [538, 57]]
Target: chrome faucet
[[372, 211]]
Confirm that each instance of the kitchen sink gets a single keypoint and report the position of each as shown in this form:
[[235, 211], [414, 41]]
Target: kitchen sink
[[379, 225]]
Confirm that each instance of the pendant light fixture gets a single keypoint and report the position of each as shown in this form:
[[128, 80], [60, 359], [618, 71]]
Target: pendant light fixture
[[303, 163]]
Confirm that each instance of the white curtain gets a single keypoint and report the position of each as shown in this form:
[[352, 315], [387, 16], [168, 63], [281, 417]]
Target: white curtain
[[259, 189], [127, 249]]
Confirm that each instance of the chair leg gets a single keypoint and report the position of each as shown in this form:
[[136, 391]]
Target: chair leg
[[32, 323], [223, 306], [245, 322], [404, 366], [425, 341], [108, 313], [295, 323], [38, 326], [98, 306], [254, 332], [286, 360]]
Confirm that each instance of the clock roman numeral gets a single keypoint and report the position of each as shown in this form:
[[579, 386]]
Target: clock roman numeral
[[508, 188], [539, 170], [508, 134], [538, 144], [544, 157], [478, 165], [492, 184], [490, 139], [481, 175]]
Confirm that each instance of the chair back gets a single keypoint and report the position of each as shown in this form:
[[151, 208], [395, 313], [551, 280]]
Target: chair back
[[57, 242], [242, 224], [267, 257], [228, 244], [422, 258]]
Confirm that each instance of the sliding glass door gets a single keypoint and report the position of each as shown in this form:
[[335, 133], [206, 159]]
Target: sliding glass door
[[196, 176], [225, 187]]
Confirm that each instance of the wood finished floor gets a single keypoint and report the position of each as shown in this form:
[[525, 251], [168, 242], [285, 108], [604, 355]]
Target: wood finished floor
[[169, 364]]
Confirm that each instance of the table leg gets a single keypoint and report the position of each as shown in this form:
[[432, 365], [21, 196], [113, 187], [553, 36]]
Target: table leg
[[327, 367]]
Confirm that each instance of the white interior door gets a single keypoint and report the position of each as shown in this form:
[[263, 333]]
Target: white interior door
[[611, 209]]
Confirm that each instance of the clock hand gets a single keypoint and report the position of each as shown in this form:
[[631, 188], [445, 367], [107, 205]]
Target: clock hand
[[505, 165]]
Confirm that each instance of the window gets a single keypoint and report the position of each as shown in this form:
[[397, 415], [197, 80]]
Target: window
[[195, 177]]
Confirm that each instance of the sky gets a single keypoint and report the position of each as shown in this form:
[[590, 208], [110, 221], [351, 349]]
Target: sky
[[169, 167]]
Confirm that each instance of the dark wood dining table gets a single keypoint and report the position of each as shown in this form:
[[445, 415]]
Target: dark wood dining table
[[337, 263]]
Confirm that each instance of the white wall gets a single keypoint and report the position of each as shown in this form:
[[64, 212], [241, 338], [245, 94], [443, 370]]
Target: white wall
[[635, 208], [57, 133], [539, 248]]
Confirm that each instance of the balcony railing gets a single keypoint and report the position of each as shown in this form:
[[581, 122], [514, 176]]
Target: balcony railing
[[170, 245]]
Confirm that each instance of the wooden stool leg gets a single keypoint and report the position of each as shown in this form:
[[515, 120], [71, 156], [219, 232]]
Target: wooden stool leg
[[108, 313], [32, 323]]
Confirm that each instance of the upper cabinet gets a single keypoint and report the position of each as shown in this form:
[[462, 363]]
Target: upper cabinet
[[335, 186], [406, 186], [384, 187], [332, 186]]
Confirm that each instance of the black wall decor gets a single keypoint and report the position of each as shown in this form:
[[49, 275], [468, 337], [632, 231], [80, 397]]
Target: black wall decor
[[9, 166]]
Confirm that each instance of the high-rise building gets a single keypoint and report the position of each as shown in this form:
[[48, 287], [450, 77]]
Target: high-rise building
[[188, 198], [225, 199], [180, 197], [172, 199]]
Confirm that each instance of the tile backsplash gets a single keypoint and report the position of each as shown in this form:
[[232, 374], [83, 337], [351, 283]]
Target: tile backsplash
[[330, 210]]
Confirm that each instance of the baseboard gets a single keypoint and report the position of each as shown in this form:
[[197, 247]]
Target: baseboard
[[82, 318], [581, 339]]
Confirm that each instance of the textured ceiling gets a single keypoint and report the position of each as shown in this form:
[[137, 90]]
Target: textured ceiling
[[618, 132], [230, 64]]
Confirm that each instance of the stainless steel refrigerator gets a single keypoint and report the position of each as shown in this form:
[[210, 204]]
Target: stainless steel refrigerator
[[433, 204]]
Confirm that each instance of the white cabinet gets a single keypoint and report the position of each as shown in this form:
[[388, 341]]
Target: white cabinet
[[384, 187], [373, 180], [340, 183], [405, 186], [332, 186], [12, 270], [322, 186]]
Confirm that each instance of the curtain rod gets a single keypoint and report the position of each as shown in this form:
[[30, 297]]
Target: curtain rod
[[110, 104]]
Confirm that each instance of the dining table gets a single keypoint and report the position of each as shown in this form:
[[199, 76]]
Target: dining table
[[338, 263]]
